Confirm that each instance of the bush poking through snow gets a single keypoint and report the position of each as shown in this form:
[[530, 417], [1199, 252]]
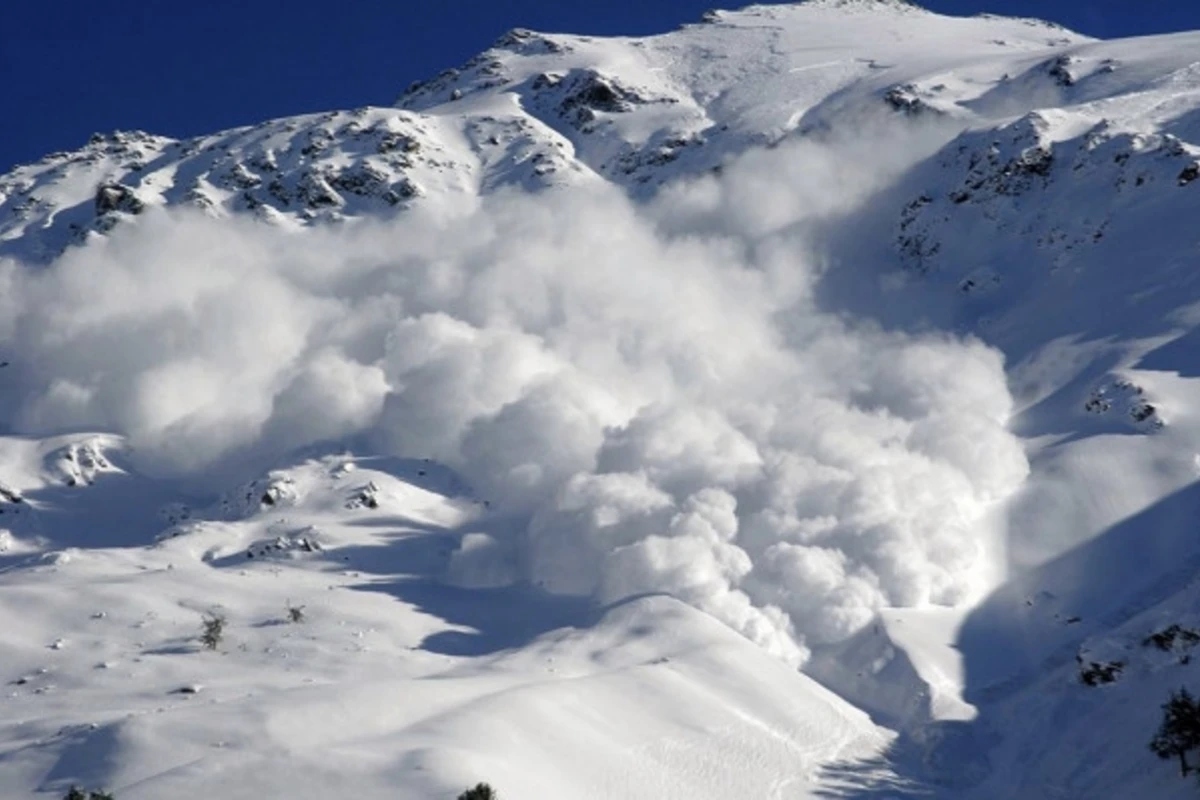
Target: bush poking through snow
[[1179, 732], [1097, 673], [481, 791], [1172, 637], [76, 793], [213, 630], [295, 613]]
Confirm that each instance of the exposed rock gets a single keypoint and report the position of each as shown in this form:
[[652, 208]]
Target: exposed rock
[[364, 497], [117, 197], [290, 545], [1175, 638], [907, 99], [529, 43], [1096, 673], [645, 160], [272, 491], [10, 495], [362, 179], [581, 95], [1127, 397], [239, 177], [1189, 173], [1060, 70], [314, 190], [79, 463]]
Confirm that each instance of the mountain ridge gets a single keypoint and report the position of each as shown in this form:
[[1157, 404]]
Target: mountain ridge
[[535, 146]]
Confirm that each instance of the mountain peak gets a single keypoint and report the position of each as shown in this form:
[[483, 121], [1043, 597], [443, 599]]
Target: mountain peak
[[869, 6], [866, 5]]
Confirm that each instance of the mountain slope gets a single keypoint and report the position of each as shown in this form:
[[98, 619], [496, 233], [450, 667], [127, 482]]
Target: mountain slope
[[388, 685], [535, 110], [577, 399]]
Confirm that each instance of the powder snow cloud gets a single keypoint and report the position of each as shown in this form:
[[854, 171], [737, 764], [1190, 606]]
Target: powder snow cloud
[[650, 389]]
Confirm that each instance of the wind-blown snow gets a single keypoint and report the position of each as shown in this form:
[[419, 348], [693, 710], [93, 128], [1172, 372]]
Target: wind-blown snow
[[669, 412]]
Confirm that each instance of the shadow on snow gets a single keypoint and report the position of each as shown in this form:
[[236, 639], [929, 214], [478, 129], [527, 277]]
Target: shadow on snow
[[1006, 647]]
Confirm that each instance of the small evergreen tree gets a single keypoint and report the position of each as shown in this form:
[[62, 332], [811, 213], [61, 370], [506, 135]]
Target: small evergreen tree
[[213, 630], [1179, 732], [481, 791]]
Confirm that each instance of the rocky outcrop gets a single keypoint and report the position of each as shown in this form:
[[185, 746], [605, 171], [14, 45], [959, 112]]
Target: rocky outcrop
[[117, 197]]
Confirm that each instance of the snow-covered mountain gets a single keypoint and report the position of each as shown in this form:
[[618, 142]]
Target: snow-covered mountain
[[542, 110], [801, 403]]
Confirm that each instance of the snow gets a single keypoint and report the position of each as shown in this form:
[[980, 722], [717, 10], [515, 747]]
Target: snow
[[393, 684], [800, 403]]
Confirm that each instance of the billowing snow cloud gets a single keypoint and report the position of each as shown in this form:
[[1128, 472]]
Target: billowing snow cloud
[[652, 388]]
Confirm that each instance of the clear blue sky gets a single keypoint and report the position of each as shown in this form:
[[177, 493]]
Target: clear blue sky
[[71, 67]]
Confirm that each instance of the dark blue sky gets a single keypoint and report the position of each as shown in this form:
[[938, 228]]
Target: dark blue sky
[[71, 67]]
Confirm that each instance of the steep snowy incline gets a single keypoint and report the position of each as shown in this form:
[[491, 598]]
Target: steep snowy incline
[[1087, 284], [1062, 237]]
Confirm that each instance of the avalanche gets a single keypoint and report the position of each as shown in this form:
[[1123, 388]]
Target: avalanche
[[797, 404]]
